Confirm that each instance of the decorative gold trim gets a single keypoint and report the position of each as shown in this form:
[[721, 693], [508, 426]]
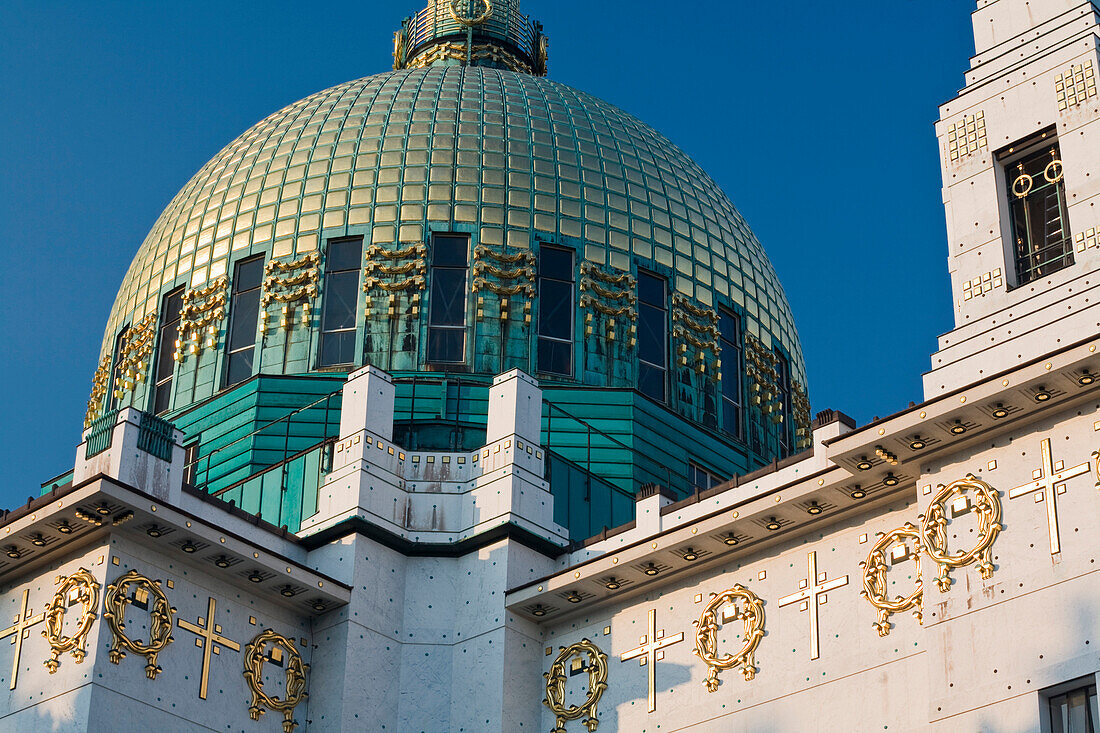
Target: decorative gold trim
[[468, 22], [405, 269], [481, 283], [209, 637], [1054, 171], [100, 380], [254, 660], [987, 503], [1023, 183], [623, 278], [555, 686], [412, 283], [84, 589], [588, 283], [587, 301], [502, 274], [313, 258], [706, 634], [376, 250], [874, 578], [482, 251], [115, 601], [480, 52], [680, 301], [202, 307]]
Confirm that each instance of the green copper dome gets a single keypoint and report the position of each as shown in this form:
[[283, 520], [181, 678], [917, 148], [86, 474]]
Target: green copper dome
[[364, 180]]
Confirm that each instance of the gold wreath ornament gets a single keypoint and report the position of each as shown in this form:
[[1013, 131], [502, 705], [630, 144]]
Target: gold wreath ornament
[[555, 686], [984, 500], [84, 589], [254, 659], [463, 20], [874, 578], [751, 612], [115, 600]]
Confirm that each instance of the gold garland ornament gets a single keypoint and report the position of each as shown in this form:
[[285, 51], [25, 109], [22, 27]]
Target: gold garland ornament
[[481, 283], [623, 278], [412, 283], [115, 601], [986, 501], [466, 21], [254, 659], [376, 250], [84, 589], [874, 578], [482, 251], [706, 634], [555, 686]]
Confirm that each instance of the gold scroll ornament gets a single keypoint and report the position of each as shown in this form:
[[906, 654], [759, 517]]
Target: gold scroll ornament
[[84, 589], [874, 578], [254, 659], [984, 500], [555, 686], [751, 611], [115, 601]]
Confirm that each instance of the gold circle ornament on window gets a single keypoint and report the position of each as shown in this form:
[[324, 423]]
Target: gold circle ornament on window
[[1021, 187], [555, 685], [874, 576], [965, 495], [80, 587], [147, 594], [470, 20], [750, 609], [1053, 172], [285, 653]]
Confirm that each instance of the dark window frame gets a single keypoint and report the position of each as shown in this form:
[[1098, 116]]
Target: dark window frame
[[333, 277], [696, 471], [785, 389], [552, 341], [113, 402], [1083, 692], [238, 300], [1034, 249], [732, 373], [441, 271], [167, 338], [660, 311]]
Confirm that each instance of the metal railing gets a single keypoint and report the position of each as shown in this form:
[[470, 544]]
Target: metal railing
[[155, 436], [505, 22], [99, 433]]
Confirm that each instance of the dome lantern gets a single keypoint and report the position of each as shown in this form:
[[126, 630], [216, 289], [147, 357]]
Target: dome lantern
[[489, 33]]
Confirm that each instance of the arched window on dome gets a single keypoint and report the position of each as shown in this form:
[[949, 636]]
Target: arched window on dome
[[732, 348], [343, 263], [556, 309], [447, 299], [244, 311], [652, 335], [170, 307]]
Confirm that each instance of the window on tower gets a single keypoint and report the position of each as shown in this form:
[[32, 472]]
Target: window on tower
[[555, 344], [652, 336], [1037, 204], [702, 478], [117, 375], [447, 299], [1074, 710], [170, 307], [343, 262], [244, 310], [729, 329]]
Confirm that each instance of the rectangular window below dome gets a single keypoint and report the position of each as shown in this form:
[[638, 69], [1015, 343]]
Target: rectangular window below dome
[[244, 311], [556, 309], [729, 329], [170, 308], [447, 299], [343, 263]]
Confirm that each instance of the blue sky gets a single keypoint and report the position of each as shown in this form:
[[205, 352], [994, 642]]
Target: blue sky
[[816, 119]]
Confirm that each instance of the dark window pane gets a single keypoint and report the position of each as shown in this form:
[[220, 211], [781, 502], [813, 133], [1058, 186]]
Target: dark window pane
[[555, 357], [249, 275], [448, 297], [338, 347], [344, 255], [651, 382], [449, 251], [166, 364], [163, 397], [651, 289], [727, 326], [446, 344], [651, 335], [556, 263], [242, 331], [556, 309], [240, 367], [173, 302], [341, 300]]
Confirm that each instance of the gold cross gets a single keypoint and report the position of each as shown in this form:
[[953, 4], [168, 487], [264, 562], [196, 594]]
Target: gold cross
[[23, 621], [649, 651], [1051, 484], [209, 634], [812, 592]]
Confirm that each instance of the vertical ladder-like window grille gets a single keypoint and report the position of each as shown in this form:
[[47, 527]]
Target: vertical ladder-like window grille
[[1040, 226], [244, 311], [782, 416], [447, 304], [652, 336], [166, 350], [729, 329], [343, 263], [555, 342]]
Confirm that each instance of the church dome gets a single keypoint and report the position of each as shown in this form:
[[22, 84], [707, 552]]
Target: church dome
[[509, 160]]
